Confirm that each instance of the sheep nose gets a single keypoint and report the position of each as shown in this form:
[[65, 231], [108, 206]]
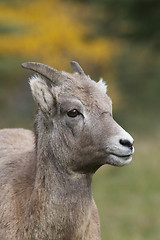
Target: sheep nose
[[126, 143]]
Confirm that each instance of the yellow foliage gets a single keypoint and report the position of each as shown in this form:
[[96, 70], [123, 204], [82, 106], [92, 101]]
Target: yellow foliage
[[53, 32], [50, 31]]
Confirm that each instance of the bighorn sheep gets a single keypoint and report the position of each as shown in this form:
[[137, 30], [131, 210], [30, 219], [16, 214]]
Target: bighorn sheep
[[45, 178]]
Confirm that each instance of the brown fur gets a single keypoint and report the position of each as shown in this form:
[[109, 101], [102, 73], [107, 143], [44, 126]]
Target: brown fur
[[26, 217], [45, 178]]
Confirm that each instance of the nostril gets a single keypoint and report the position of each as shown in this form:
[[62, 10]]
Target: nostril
[[126, 143]]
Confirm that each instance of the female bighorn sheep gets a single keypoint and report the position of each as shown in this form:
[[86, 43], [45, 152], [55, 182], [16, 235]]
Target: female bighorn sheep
[[45, 178]]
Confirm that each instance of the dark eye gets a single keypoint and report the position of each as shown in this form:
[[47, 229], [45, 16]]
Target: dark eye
[[73, 113]]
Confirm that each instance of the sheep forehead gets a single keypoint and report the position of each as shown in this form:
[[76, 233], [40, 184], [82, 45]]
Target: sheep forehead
[[85, 81], [87, 90]]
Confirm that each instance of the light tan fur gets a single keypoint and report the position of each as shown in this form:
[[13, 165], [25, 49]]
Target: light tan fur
[[45, 176]]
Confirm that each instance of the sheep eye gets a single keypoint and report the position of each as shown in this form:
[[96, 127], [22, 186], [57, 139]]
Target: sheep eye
[[73, 113]]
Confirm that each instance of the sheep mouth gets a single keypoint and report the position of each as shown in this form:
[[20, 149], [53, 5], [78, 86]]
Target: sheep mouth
[[119, 160], [121, 156]]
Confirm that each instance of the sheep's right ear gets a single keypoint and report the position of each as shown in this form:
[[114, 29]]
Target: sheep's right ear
[[42, 93]]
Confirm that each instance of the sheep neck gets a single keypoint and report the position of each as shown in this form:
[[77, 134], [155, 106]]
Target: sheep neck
[[64, 200], [61, 183]]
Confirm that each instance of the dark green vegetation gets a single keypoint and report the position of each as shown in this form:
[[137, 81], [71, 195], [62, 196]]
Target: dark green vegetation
[[135, 26]]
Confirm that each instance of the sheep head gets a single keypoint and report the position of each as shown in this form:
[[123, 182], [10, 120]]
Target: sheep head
[[75, 120]]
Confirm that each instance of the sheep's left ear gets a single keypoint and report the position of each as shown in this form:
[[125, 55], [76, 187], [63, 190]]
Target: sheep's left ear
[[42, 93], [42, 85]]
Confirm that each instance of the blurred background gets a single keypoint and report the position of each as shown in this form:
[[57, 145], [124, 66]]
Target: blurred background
[[119, 41]]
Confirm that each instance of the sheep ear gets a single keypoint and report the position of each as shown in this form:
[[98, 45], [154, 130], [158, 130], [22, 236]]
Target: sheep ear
[[42, 93], [43, 83]]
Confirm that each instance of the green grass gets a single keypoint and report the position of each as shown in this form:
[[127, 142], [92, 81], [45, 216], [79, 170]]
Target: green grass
[[128, 198]]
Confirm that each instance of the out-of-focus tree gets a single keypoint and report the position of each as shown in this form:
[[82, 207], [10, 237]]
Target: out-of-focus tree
[[118, 40], [48, 31], [135, 25], [135, 20]]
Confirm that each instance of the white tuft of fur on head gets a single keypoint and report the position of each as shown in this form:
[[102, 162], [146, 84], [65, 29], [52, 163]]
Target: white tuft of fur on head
[[41, 93], [102, 85]]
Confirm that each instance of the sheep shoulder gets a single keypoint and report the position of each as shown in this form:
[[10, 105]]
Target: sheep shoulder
[[17, 172]]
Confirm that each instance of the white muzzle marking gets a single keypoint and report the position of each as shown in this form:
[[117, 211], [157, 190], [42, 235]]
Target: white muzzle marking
[[120, 148]]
